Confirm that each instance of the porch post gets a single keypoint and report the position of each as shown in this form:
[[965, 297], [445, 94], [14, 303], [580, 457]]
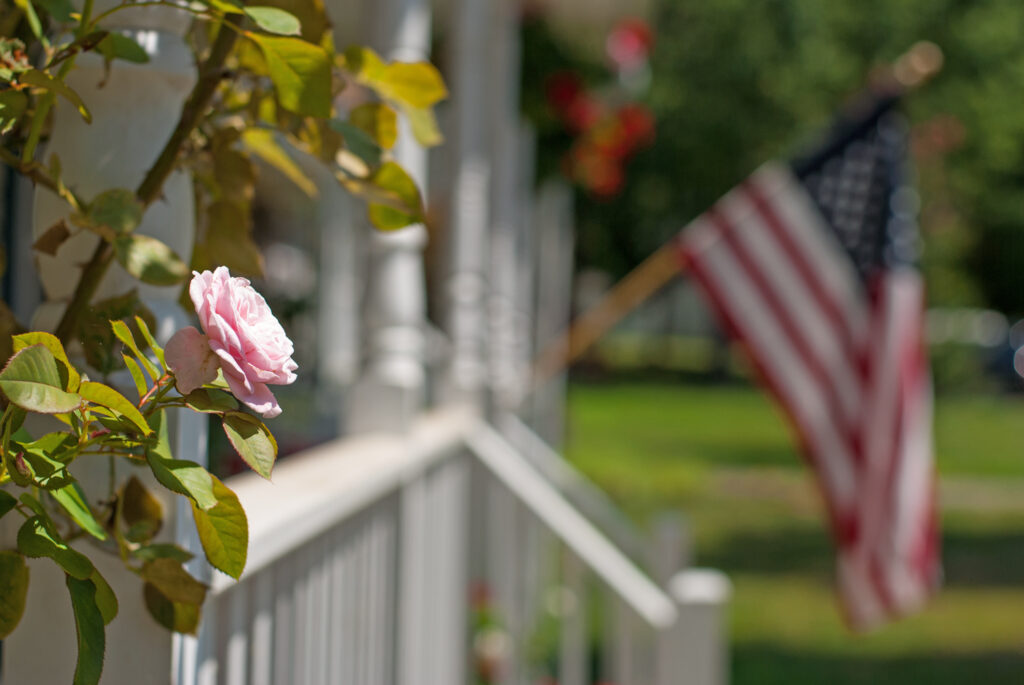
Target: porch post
[[467, 282], [391, 390]]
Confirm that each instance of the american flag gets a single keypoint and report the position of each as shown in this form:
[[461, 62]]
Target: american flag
[[810, 266]]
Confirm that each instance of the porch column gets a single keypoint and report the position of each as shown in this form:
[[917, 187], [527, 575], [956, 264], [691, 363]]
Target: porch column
[[467, 283], [391, 391]]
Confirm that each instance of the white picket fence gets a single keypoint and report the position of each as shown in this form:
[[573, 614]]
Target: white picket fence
[[441, 540]]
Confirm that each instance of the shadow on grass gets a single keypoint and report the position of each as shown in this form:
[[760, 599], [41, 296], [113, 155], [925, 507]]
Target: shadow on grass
[[759, 664], [971, 559]]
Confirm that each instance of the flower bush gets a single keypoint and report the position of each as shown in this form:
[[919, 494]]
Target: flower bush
[[267, 80]]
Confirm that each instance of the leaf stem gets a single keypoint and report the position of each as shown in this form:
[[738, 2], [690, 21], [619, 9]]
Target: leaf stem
[[210, 74]]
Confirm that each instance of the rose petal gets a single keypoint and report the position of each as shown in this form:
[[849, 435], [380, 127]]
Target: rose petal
[[260, 400], [189, 355]]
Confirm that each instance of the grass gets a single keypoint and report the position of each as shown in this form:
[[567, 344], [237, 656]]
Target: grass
[[723, 456]]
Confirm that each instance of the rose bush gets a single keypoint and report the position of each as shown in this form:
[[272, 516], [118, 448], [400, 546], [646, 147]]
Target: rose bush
[[242, 338]]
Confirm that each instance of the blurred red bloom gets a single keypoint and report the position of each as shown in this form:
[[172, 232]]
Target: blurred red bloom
[[629, 43]]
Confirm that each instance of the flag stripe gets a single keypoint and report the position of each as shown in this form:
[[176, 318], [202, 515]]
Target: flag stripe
[[846, 363], [812, 330], [741, 304]]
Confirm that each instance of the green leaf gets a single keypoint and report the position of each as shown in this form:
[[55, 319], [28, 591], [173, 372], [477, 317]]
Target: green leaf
[[124, 334], [120, 46], [180, 476], [397, 184], [415, 84], [181, 618], [34, 504], [89, 626], [31, 381], [224, 531], [424, 126], [7, 502], [262, 143], [150, 340], [13, 590], [50, 342], [165, 550], [136, 373], [141, 511], [58, 9], [226, 6], [33, 19], [274, 20], [358, 142], [117, 209], [252, 440], [37, 538], [300, 72], [12, 106], [150, 260], [40, 79], [210, 401], [73, 499], [106, 600], [173, 581], [229, 239], [377, 120], [105, 396]]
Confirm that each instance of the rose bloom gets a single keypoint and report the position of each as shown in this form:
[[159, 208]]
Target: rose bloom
[[242, 338]]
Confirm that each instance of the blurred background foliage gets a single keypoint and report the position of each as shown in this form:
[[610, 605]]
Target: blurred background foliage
[[735, 83]]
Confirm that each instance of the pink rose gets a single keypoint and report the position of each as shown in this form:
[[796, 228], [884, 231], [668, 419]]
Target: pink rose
[[242, 338]]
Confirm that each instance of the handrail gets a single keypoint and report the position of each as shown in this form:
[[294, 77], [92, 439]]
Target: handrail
[[595, 550], [314, 491]]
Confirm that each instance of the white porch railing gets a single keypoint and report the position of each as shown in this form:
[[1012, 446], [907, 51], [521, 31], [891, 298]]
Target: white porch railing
[[363, 554]]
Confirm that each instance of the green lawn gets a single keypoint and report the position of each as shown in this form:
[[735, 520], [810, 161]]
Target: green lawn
[[723, 456]]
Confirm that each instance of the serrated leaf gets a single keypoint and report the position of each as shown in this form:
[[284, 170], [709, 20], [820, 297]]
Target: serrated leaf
[[263, 144], [7, 502], [180, 476], [31, 381], [150, 340], [163, 549], [252, 440], [117, 209], [378, 121], [120, 46], [13, 590], [181, 618], [105, 396], [12, 106], [210, 401], [415, 84], [274, 20], [106, 600], [60, 10], [53, 344], [141, 511], [136, 373], [36, 538], [173, 581], [124, 334], [89, 627], [40, 79], [73, 499], [224, 531], [395, 183], [300, 72], [150, 260]]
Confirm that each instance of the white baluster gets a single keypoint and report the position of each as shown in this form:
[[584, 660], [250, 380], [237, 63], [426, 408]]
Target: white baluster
[[466, 288], [391, 391]]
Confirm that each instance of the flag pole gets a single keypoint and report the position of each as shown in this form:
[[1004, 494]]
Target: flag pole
[[911, 70]]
